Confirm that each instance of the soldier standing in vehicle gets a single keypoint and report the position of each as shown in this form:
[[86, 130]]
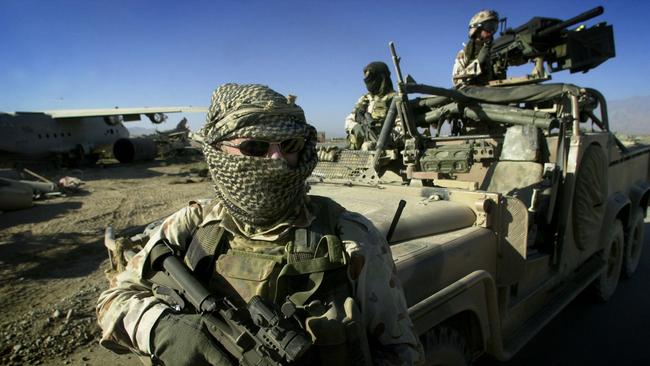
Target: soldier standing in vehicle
[[473, 65], [364, 124], [260, 151]]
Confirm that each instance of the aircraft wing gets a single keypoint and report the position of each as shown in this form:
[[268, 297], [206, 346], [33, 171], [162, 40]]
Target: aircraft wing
[[74, 113]]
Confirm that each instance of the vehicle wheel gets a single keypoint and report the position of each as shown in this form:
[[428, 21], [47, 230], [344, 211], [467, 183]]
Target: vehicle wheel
[[445, 346], [606, 283], [589, 198], [75, 157], [634, 244], [91, 159]]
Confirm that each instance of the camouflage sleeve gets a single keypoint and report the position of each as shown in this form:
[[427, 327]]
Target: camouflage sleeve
[[362, 103], [464, 70], [350, 122], [350, 119], [459, 66], [128, 310], [379, 293]]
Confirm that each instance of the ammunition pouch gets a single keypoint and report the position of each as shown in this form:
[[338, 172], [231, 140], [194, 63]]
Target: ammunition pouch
[[248, 274], [339, 335]]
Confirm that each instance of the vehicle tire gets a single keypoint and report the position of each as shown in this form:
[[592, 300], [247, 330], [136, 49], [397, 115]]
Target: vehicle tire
[[75, 157], [445, 346], [634, 244], [590, 197], [606, 283], [91, 159]]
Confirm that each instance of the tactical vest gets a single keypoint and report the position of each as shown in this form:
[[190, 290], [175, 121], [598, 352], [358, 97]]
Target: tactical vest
[[311, 273], [376, 107], [379, 107]]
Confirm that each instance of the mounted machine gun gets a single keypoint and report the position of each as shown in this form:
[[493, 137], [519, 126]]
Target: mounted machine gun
[[548, 40]]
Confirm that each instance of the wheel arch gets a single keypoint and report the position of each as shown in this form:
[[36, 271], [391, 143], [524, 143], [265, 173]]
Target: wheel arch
[[468, 324], [618, 207], [639, 195], [633, 231], [470, 306]]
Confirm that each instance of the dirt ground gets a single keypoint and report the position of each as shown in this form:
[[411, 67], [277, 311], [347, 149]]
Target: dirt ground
[[52, 258], [52, 263]]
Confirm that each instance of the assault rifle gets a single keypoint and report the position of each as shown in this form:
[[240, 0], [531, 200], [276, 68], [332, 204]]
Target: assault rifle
[[548, 40], [257, 335], [365, 120]]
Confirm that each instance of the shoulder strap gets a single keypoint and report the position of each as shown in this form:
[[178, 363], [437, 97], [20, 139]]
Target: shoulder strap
[[324, 250], [207, 242], [327, 214]]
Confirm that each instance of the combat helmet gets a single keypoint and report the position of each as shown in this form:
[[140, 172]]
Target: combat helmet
[[484, 19]]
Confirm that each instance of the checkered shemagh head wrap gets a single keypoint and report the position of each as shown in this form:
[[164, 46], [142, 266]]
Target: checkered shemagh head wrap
[[258, 191]]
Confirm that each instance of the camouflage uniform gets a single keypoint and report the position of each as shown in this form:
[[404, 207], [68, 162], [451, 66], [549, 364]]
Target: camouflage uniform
[[128, 311], [377, 107], [472, 65], [468, 70], [364, 124]]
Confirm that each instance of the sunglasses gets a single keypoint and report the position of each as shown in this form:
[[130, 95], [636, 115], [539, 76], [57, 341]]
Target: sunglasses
[[261, 147], [490, 26]]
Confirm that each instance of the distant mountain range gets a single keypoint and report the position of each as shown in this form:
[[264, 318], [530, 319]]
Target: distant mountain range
[[630, 116], [139, 131]]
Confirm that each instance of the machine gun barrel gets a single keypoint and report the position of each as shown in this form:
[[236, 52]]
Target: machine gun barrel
[[589, 14], [402, 102], [396, 60], [550, 41]]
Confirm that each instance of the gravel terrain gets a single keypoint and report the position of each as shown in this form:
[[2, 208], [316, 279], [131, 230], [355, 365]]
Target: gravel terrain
[[52, 263], [52, 258]]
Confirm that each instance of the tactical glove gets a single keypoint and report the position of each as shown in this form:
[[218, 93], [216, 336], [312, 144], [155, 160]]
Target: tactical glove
[[182, 339], [484, 53]]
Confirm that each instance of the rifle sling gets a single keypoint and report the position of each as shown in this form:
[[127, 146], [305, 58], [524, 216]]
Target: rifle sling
[[208, 242]]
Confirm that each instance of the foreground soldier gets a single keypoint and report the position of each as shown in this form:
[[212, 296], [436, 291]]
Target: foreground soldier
[[472, 65], [263, 229], [365, 122]]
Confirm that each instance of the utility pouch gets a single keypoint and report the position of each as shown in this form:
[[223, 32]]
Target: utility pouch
[[248, 274], [355, 333], [328, 334], [303, 274], [339, 335]]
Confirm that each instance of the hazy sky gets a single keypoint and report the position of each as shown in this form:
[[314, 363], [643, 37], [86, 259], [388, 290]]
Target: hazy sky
[[101, 54]]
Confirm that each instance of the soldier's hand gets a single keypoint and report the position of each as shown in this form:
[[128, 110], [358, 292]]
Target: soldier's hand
[[484, 53], [182, 339]]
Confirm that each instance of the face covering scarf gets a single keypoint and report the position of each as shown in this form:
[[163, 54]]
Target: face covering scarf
[[258, 190]]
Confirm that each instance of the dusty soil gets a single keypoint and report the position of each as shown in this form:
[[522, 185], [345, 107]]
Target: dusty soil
[[52, 258], [52, 263]]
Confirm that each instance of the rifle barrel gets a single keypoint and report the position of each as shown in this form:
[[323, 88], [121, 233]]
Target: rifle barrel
[[198, 295], [589, 14], [387, 127], [396, 60]]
